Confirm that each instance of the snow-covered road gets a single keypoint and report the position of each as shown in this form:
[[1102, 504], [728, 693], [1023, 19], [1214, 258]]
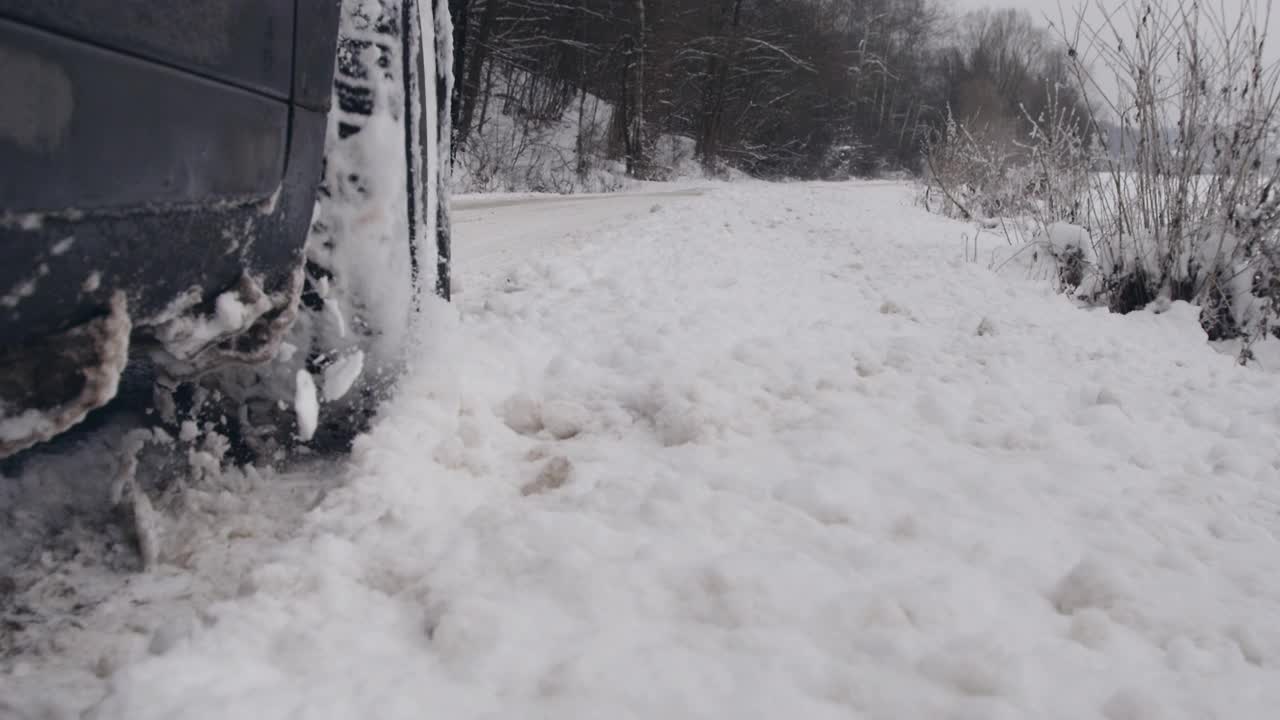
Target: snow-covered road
[[762, 451], [492, 232]]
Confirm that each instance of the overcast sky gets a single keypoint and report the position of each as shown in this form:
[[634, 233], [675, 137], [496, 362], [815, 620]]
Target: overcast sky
[[1036, 7], [1044, 10], [1040, 8]]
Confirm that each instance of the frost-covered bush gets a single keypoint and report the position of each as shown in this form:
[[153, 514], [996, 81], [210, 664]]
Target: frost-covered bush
[[1181, 201], [1188, 209], [973, 176], [1041, 174]]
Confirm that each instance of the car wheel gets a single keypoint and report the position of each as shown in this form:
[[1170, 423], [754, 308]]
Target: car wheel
[[378, 245]]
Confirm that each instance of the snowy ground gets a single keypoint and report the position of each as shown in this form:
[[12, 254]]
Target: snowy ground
[[755, 452]]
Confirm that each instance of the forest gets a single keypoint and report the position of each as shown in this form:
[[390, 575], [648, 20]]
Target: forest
[[770, 88]]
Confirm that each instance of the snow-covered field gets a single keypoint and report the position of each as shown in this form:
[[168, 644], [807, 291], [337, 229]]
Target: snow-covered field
[[749, 451]]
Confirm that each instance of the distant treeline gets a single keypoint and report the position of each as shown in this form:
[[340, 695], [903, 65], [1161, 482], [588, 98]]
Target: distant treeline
[[776, 88]]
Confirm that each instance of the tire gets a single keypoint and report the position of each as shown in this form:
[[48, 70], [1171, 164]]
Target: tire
[[378, 244]]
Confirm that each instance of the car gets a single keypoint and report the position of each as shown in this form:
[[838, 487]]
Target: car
[[242, 201]]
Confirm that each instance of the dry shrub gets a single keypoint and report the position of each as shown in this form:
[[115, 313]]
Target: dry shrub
[[1188, 207], [1173, 181]]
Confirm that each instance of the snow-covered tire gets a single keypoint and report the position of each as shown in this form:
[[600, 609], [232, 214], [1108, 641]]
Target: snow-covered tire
[[378, 242]]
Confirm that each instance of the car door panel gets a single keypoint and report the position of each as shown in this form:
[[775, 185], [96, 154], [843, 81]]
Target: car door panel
[[104, 130], [244, 42]]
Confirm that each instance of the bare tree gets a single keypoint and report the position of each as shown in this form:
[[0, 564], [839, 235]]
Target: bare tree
[[478, 51], [633, 94]]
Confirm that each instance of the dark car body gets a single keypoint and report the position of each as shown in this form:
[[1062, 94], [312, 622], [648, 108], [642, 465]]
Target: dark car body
[[149, 150], [153, 158]]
